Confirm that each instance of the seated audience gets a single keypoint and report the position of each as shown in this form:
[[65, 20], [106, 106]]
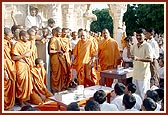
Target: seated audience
[[73, 107], [131, 88], [148, 104], [153, 95], [129, 102], [100, 97], [161, 95], [92, 105], [119, 90]]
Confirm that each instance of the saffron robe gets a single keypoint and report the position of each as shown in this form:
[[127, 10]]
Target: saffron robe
[[108, 54], [39, 85], [60, 64], [83, 52], [24, 84], [9, 84]]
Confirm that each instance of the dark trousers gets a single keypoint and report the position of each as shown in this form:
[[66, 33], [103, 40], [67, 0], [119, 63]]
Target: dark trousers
[[154, 71]]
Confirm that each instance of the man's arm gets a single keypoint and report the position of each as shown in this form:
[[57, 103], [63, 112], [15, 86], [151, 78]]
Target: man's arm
[[13, 18], [18, 57]]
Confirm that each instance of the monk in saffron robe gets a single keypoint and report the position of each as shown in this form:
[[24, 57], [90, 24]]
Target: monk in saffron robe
[[9, 71], [84, 53], [32, 38], [95, 72], [67, 49], [40, 92], [21, 53], [59, 70], [108, 54]]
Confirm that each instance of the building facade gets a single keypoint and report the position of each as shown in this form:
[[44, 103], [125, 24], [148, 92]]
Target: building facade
[[73, 16]]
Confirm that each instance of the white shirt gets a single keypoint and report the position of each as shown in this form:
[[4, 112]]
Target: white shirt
[[33, 21], [154, 87], [118, 101], [74, 42], [125, 57], [155, 47], [161, 72], [108, 107], [50, 30], [142, 69], [158, 107], [138, 101]]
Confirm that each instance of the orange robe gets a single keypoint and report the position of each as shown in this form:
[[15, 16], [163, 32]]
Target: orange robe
[[66, 48], [99, 39], [24, 84], [123, 42], [38, 84], [9, 85], [60, 64], [83, 52], [34, 52], [108, 53]]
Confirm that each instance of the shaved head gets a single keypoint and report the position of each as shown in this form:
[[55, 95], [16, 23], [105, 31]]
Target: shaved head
[[105, 33]]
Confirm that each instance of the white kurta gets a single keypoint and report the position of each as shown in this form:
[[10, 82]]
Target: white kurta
[[138, 101], [33, 21], [108, 107], [142, 73], [118, 101]]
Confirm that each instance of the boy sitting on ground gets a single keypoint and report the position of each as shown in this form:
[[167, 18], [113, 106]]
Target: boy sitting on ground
[[40, 92]]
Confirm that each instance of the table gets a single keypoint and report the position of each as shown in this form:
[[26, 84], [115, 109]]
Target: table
[[113, 73], [88, 93]]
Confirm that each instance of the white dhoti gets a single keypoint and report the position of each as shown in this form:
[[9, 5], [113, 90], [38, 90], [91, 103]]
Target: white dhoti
[[142, 87]]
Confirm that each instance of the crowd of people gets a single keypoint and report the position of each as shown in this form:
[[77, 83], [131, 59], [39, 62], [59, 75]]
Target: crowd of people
[[124, 98], [70, 58]]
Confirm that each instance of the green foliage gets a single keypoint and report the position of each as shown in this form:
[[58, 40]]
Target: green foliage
[[130, 18], [104, 20], [151, 15], [141, 15]]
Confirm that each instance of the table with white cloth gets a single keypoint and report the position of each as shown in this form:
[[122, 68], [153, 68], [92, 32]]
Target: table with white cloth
[[64, 98]]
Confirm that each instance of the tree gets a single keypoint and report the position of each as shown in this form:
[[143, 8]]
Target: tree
[[104, 20], [151, 15], [137, 16], [130, 18]]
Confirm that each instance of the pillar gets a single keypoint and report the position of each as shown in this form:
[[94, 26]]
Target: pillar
[[55, 12], [78, 16], [117, 12], [67, 16], [89, 17]]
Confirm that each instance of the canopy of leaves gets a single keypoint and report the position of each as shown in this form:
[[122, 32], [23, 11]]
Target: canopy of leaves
[[136, 16], [104, 20]]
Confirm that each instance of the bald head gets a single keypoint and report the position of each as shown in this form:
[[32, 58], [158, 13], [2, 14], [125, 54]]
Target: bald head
[[105, 33], [83, 35]]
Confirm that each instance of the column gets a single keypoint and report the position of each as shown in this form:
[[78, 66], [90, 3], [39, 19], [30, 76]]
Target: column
[[55, 12], [78, 16], [89, 17], [117, 12], [67, 16]]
